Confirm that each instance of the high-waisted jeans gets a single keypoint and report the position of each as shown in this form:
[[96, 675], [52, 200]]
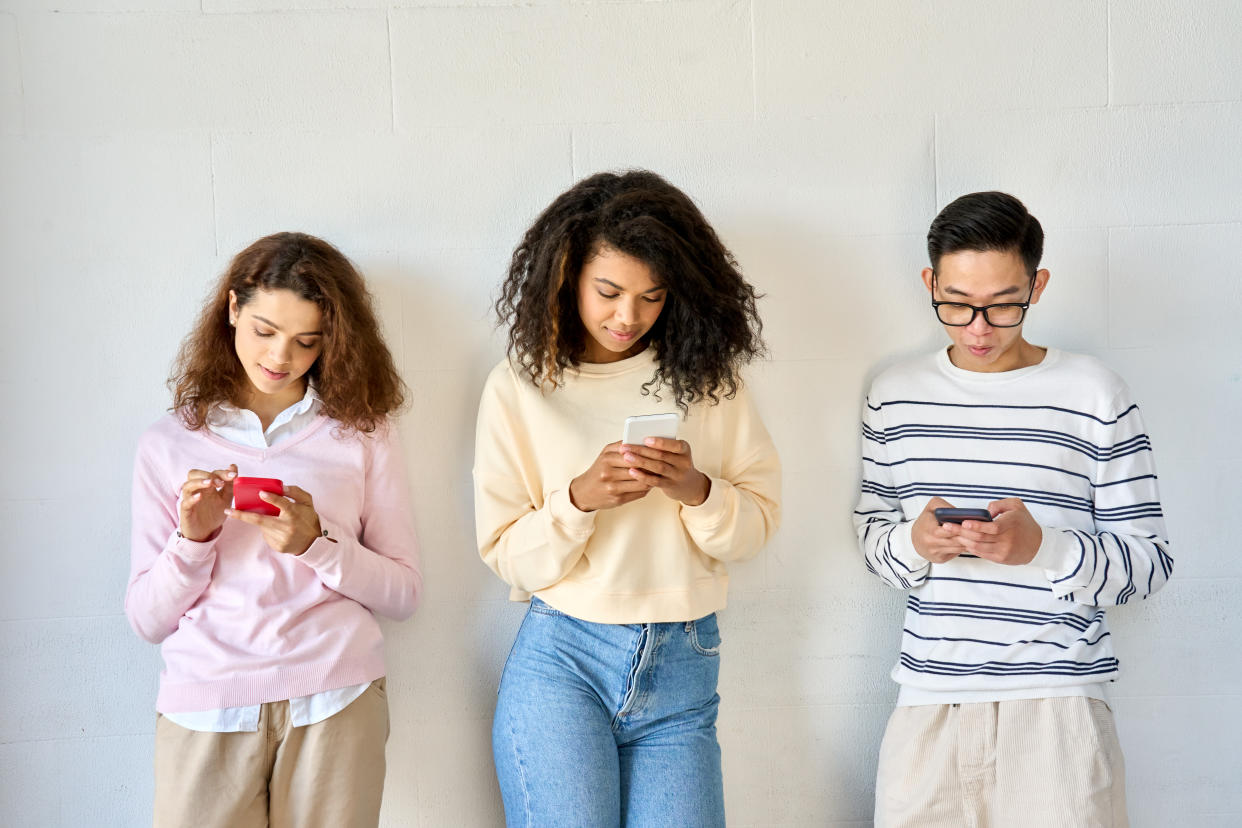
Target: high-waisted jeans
[[605, 725]]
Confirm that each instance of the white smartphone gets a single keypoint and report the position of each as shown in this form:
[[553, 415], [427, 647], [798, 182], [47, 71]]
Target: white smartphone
[[641, 427]]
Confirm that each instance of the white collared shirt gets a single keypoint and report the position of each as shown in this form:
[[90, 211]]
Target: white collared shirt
[[242, 426]]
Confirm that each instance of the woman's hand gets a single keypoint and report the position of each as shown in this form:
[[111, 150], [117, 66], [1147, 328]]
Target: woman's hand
[[666, 464], [607, 484], [294, 529], [205, 495]]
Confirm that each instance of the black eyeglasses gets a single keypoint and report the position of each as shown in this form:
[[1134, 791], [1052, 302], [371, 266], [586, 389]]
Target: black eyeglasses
[[1003, 315]]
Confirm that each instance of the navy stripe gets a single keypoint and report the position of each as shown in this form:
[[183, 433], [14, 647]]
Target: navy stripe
[[1131, 445], [939, 460], [1082, 556], [1004, 407], [1062, 667], [997, 583], [913, 634], [984, 615], [913, 490], [1015, 614]]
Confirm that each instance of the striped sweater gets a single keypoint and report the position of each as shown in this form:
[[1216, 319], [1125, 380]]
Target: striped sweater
[[1065, 437]]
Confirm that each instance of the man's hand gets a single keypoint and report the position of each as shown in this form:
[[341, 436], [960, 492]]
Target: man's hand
[[932, 541], [1012, 538]]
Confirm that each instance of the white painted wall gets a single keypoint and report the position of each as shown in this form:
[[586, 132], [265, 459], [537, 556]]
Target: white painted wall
[[144, 142]]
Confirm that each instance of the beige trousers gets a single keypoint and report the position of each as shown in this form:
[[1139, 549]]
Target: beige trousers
[[326, 774], [1029, 763]]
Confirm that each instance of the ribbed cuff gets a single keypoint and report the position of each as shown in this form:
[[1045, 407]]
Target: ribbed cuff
[[194, 551], [709, 513], [568, 515], [901, 542], [323, 549], [1059, 554]]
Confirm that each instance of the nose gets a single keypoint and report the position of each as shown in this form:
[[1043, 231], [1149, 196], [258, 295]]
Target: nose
[[626, 312], [979, 326], [280, 353]]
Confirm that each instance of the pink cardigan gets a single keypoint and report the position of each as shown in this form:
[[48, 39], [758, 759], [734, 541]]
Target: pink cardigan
[[241, 624]]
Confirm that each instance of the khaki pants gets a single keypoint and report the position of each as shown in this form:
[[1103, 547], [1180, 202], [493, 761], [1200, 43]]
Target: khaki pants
[[326, 774], [1042, 763]]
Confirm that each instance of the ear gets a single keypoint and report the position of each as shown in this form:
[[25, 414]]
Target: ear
[[233, 308], [928, 275], [1041, 282]]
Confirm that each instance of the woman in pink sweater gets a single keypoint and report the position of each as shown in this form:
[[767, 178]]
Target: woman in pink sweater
[[272, 708]]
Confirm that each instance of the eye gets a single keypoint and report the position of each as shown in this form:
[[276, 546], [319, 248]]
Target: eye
[[608, 295], [307, 345], [655, 300], [263, 334]]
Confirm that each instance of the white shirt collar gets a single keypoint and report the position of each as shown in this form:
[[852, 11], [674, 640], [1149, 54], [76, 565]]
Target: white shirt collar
[[242, 425]]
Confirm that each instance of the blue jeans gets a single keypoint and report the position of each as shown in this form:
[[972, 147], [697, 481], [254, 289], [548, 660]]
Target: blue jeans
[[604, 725]]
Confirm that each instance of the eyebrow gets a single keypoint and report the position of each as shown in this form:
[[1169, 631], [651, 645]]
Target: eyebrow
[[615, 286], [1009, 291], [272, 324]]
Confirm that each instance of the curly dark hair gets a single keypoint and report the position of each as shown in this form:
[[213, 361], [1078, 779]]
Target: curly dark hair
[[354, 374], [709, 326]]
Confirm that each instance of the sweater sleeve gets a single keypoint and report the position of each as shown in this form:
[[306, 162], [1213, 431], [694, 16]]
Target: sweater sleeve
[[742, 509], [167, 573], [883, 531], [1127, 555], [380, 567], [528, 540]]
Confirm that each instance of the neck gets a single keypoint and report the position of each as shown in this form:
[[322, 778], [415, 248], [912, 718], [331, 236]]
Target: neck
[[594, 354], [1021, 355], [267, 406]]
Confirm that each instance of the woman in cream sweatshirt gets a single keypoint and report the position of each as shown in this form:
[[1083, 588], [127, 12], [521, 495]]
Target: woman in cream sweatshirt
[[620, 301]]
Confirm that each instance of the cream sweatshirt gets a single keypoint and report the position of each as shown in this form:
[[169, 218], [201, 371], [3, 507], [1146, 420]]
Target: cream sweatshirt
[[651, 560]]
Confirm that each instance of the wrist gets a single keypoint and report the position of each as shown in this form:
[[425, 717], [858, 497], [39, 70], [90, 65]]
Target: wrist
[[700, 493], [194, 537], [575, 497]]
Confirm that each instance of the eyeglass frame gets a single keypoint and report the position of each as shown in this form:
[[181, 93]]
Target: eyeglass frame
[[978, 309]]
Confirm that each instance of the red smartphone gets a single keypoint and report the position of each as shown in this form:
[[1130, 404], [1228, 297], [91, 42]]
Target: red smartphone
[[246, 494]]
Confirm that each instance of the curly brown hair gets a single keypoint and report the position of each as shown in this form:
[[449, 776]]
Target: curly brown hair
[[709, 326], [354, 374]]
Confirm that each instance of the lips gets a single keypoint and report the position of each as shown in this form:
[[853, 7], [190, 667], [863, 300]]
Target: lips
[[979, 350], [273, 375], [622, 336]]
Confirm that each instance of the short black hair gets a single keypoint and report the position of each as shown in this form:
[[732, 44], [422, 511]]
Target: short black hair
[[986, 221]]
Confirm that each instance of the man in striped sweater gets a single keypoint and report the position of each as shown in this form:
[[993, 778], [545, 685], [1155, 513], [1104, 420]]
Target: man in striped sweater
[[1002, 719]]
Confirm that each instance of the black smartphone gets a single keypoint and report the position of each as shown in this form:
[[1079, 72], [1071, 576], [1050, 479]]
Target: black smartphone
[[959, 515]]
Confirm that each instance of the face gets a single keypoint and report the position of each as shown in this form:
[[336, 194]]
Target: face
[[278, 336], [618, 301], [986, 277]]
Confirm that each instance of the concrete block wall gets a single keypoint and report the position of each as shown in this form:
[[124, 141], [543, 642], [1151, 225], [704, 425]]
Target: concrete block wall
[[143, 143]]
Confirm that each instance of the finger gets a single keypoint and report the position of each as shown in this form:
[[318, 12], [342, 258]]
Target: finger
[[630, 497], [197, 484], [253, 518], [281, 502], [665, 444], [647, 479], [189, 501], [937, 503], [981, 527], [976, 537], [1009, 504], [655, 466], [299, 495], [658, 452]]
